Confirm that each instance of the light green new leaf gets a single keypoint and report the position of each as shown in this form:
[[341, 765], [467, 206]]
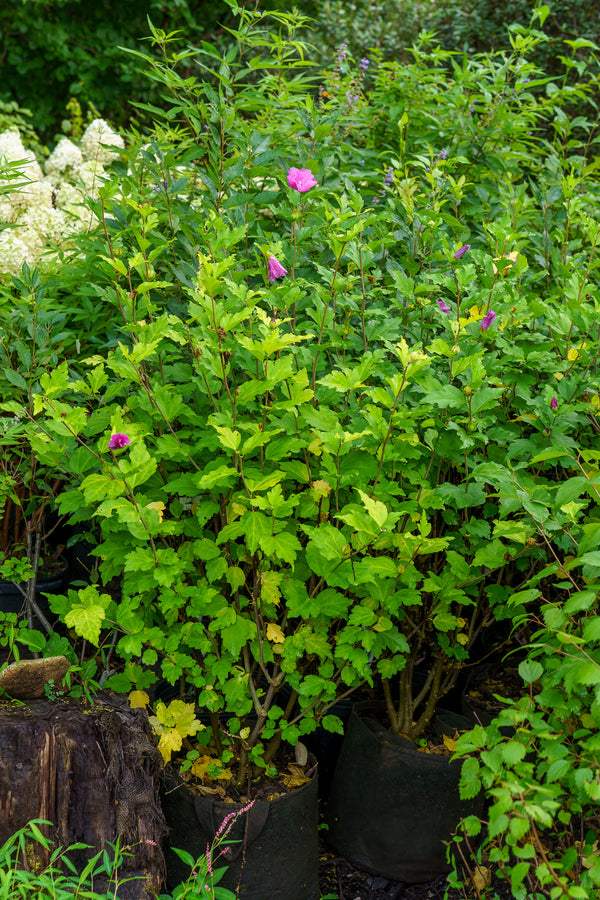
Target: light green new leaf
[[377, 510], [86, 621]]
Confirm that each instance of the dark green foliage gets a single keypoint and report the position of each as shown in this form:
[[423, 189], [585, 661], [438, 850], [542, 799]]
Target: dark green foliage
[[52, 51]]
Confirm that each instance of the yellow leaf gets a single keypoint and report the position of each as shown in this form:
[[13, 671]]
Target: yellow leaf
[[170, 742], [315, 446], [295, 777], [559, 376], [138, 700], [320, 488], [462, 638], [203, 763], [573, 354], [482, 878], [274, 633], [449, 743], [269, 587], [159, 506]]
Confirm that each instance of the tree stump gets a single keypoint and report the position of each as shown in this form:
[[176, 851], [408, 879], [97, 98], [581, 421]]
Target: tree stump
[[91, 772]]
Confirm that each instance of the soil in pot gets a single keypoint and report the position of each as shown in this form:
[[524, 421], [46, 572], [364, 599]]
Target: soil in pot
[[485, 684], [272, 850], [392, 806]]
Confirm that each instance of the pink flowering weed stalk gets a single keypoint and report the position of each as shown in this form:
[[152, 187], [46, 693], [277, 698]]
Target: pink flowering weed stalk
[[201, 878]]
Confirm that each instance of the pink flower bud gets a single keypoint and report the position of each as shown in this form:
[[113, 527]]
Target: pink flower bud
[[301, 180], [554, 403], [118, 440], [461, 251], [488, 320], [276, 270], [444, 306]]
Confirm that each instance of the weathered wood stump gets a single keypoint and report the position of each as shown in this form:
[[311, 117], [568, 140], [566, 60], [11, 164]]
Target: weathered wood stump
[[91, 772]]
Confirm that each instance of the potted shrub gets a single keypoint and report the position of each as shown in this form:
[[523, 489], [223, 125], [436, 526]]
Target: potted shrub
[[198, 447], [292, 447]]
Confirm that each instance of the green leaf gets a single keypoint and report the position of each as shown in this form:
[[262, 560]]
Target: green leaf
[[512, 752], [470, 783], [283, 546], [255, 526], [15, 378], [589, 559], [86, 621], [558, 769], [570, 490], [329, 541], [229, 439], [517, 875], [377, 510], [530, 670], [220, 477], [591, 629], [471, 824], [333, 723]]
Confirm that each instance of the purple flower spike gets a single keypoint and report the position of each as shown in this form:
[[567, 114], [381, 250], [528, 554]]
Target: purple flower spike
[[461, 251], [488, 320], [276, 270], [364, 64], [444, 306], [553, 403], [118, 440], [301, 180]]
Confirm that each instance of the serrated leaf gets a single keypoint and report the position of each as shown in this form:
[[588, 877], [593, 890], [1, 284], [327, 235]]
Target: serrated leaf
[[530, 670], [470, 784], [377, 510], [269, 587], [512, 752], [86, 621], [274, 633]]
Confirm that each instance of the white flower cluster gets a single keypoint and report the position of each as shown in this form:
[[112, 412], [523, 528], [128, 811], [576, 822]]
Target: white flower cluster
[[51, 208]]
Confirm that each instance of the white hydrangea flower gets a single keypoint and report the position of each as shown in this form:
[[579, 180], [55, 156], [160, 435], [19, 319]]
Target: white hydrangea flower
[[43, 225], [71, 199], [8, 210], [15, 250], [12, 149], [97, 133], [36, 194], [52, 209], [66, 155]]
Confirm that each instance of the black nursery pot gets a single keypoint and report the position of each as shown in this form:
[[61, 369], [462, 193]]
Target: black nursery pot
[[326, 746], [281, 857], [391, 806], [13, 601]]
